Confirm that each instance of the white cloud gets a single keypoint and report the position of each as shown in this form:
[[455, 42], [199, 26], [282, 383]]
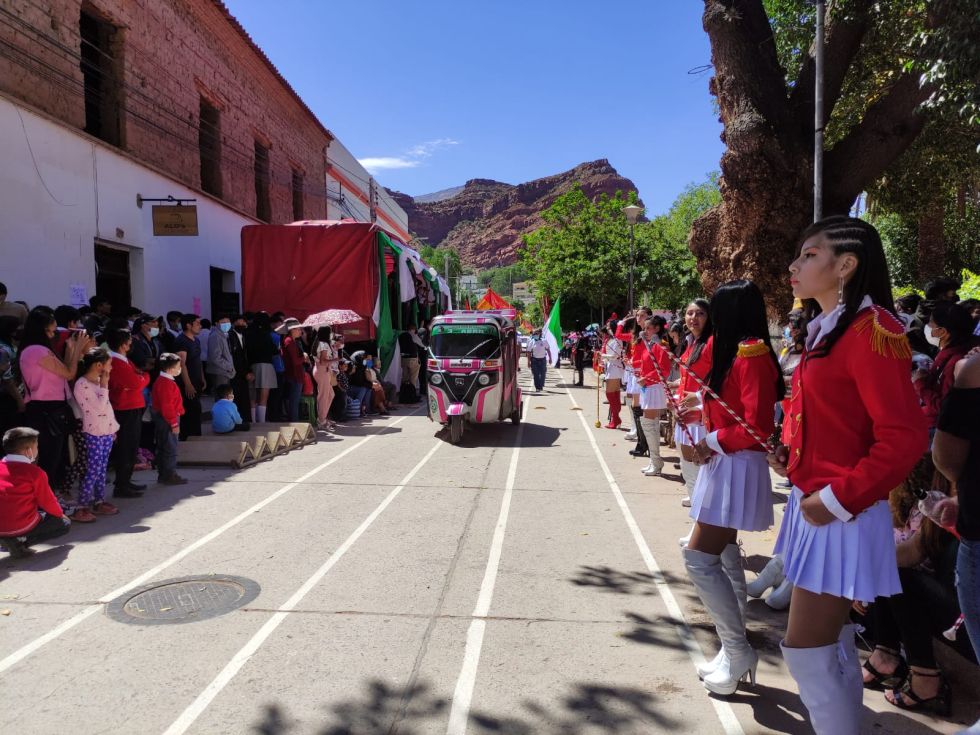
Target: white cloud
[[412, 158], [387, 162]]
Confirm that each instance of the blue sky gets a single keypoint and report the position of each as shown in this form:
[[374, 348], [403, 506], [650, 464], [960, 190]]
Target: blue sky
[[439, 92]]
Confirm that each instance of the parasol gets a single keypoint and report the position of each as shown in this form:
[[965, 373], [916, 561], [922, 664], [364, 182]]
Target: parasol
[[332, 318]]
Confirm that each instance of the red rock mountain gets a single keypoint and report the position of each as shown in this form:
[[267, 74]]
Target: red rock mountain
[[484, 219]]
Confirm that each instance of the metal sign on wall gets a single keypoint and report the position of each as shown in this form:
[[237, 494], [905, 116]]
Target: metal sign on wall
[[175, 221]]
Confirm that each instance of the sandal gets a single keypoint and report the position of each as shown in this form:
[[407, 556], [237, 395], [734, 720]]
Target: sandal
[[905, 698], [894, 680], [104, 509], [82, 515]]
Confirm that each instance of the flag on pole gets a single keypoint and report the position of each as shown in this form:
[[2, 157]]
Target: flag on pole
[[552, 331]]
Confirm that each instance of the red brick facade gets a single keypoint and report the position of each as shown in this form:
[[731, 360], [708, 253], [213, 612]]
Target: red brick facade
[[166, 57]]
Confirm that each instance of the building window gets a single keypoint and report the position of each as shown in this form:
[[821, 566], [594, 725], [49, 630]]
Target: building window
[[209, 146], [100, 64], [297, 195], [263, 209]]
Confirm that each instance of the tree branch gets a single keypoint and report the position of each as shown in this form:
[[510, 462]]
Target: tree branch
[[889, 127], [743, 53], [843, 37]]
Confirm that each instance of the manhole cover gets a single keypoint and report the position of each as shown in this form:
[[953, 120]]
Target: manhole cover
[[184, 600]]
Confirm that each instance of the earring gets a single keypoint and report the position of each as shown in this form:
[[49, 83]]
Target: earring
[[840, 291]]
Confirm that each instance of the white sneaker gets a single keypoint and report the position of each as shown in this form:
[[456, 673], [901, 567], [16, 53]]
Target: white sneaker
[[686, 502]]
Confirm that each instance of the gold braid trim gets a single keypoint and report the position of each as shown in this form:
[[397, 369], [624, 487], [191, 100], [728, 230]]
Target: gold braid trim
[[749, 349], [883, 340]]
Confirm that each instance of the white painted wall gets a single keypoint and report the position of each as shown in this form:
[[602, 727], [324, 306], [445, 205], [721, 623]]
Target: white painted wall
[[53, 208], [345, 166]]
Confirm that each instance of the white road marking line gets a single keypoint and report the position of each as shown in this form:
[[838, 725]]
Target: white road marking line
[[21, 653], [723, 709], [232, 668], [463, 694]]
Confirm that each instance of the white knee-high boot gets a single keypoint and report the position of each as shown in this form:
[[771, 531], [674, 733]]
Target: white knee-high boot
[[829, 679], [719, 598], [689, 471], [731, 562], [771, 576], [651, 429]]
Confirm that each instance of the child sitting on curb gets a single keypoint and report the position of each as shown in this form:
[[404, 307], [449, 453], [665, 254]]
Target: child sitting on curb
[[224, 414]]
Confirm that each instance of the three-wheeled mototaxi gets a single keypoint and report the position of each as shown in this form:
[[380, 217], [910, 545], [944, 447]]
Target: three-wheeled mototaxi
[[472, 369]]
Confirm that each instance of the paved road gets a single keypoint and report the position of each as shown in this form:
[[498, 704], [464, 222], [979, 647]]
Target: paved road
[[526, 581]]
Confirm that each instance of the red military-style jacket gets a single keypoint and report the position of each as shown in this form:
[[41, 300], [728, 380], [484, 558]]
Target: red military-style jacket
[[855, 422], [643, 361], [750, 390], [701, 367]]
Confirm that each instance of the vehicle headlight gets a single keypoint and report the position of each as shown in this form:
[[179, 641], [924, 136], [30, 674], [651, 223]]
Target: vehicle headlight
[[484, 379], [435, 378]]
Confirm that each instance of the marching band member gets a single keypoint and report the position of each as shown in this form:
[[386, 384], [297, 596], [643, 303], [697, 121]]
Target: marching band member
[[856, 432], [625, 334], [642, 448], [695, 359], [653, 396], [733, 490], [612, 356]]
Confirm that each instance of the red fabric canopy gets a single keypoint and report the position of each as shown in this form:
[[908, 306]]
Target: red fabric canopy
[[492, 300], [309, 266]]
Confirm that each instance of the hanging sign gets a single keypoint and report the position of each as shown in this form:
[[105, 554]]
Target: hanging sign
[[175, 221]]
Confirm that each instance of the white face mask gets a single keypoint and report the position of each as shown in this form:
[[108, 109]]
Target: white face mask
[[930, 337]]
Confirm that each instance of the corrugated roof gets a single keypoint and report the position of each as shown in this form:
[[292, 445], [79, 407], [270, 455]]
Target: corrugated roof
[[272, 67]]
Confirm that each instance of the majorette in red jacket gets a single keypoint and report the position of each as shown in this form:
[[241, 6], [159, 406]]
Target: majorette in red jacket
[[643, 361], [701, 367], [126, 385], [750, 390], [856, 425]]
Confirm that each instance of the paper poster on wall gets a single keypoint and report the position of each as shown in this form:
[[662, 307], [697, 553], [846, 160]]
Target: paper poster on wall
[[197, 305], [78, 294]]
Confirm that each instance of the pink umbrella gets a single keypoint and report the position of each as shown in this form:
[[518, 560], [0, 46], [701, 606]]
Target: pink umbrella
[[332, 318]]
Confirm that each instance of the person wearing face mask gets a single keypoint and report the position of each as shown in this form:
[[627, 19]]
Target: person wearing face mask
[[242, 382], [220, 364], [146, 347], [293, 362], [29, 511], [950, 329]]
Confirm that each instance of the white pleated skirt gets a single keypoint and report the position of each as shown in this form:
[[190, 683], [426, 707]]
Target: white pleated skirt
[[614, 372], [734, 491], [653, 397], [854, 560], [631, 387], [697, 431]]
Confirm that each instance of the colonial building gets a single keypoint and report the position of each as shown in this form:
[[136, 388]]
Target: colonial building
[[137, 139]]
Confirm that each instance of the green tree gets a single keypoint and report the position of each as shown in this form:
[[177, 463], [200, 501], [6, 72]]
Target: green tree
[[436, 257]]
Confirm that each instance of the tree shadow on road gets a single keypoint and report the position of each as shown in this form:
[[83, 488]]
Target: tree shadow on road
[[607, 579], [385, 708]]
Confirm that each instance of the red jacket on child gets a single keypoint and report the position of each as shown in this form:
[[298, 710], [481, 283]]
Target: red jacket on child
[[856, 425], [166, 399], [126, 385], [23, 489]]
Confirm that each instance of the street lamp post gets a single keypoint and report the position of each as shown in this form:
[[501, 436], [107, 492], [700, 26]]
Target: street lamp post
[[632, 213]]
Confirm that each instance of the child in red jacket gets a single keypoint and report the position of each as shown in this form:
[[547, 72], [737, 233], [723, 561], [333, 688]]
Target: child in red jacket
[[168, 407], [29, 512]]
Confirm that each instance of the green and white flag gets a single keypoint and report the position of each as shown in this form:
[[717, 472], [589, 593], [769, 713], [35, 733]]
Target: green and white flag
[[552, 332]]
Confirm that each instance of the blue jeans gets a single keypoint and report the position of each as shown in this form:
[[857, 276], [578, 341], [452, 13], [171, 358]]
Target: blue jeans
[[362, 395], [291, 392], [968, 588], [539, 369]]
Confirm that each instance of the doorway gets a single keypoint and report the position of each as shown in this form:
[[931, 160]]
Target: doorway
[[224, 298], [112, 277]]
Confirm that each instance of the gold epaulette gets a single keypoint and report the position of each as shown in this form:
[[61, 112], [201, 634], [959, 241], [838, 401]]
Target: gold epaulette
[[887, 339], [754, 348]]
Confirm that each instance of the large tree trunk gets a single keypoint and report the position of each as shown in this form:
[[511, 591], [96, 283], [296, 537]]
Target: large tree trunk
[[767, 168], [932, 242]]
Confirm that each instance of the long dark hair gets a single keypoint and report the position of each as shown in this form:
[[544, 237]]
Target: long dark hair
[[38, 320], [706, 333], [956, 320], [851, 235], [738, 313]]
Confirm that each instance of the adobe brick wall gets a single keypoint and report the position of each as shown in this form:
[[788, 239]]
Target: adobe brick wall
[[171, 53]]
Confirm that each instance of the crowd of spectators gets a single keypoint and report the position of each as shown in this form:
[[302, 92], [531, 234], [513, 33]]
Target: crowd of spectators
[[85, 390]]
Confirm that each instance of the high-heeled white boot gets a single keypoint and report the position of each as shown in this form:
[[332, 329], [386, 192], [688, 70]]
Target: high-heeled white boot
[[830, 685], [771, 576], [718, 596], [780, 597], [684, 540], [689, 471], [651, 428], [731, 562]]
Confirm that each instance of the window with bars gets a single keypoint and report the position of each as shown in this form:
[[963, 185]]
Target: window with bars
[[100, 64]]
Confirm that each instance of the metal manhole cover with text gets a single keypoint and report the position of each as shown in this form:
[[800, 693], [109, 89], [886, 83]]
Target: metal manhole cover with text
[[183, 600]]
